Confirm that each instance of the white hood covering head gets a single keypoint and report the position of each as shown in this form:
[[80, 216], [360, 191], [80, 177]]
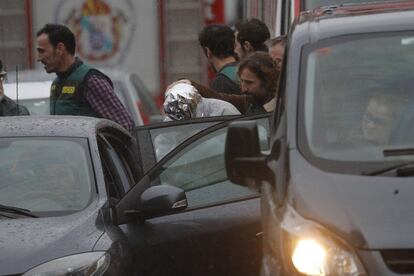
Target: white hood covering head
[[182, 101]]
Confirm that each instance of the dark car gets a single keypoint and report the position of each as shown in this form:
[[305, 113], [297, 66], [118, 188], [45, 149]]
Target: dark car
[[337, 185], [290, 9], [82, 196]]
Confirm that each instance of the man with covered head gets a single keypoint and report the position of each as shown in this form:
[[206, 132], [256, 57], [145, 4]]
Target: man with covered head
[[183, 102]]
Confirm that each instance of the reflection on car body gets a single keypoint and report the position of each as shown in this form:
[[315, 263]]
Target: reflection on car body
[[331, 197], [82, 193]]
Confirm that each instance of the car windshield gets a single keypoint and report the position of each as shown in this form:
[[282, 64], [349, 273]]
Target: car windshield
[[44, 174], [358, 98], [312, 4]]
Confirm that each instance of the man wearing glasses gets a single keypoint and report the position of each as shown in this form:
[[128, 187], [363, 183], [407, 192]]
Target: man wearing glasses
[[7, 106], [378, 120]]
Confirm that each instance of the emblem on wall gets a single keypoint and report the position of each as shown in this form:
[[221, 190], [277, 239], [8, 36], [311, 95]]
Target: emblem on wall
[[103, 28]]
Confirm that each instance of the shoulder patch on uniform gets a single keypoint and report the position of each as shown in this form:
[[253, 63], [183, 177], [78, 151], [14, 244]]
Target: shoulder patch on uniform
[[53, 87], [68, 89]]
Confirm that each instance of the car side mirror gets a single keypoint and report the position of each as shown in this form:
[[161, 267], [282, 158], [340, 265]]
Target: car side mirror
[[161, 200], [245, 163]]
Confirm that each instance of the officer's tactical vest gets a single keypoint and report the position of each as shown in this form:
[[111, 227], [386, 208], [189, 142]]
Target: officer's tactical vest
[[67, 96]]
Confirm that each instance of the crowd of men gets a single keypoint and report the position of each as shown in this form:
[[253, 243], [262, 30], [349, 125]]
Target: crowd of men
[[246, 61]]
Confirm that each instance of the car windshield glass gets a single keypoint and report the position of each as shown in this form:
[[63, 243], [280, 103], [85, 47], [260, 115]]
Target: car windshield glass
[[45, 175], [358, 102], [165, 139], [311, 4]]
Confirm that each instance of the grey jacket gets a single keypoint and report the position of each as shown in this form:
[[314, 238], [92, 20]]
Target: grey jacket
[[9, 108]]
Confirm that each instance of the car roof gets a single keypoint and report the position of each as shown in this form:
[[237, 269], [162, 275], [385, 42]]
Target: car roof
[[54, 126], [326, 22]]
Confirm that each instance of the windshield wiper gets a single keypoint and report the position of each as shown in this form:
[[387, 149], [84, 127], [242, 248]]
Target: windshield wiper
[[402, 170], [17, 210]]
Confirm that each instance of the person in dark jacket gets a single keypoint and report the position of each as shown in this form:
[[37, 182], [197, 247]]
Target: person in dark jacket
[[78, 88], [217, 42], [259, 76], [7, 106]]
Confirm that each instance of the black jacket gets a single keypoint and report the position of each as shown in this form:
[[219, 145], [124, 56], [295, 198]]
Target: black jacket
[[9, 108]]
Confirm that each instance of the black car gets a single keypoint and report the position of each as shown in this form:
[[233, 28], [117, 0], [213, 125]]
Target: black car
[[82, 196], [337, 185]]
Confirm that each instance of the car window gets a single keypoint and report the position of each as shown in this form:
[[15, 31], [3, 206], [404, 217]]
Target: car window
[[358, 98], [45, 175], [199, 169], [124, 171], [166, 139], [117, 180]]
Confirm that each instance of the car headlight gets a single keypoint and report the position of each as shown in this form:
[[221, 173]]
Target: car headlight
[[91, 263], [312, 250]]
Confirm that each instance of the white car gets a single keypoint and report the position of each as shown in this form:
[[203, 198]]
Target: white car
[[33, 95], [33, 91]]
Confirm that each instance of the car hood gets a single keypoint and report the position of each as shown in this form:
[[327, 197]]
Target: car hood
[[28, 242], [370, 212]]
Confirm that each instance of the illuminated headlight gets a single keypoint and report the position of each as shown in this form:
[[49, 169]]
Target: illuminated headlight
[[92, 263], [312, 250]]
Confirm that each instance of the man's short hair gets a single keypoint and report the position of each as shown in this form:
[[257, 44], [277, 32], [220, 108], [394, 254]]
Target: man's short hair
[[59, 34], [219, 39], [255, 32]]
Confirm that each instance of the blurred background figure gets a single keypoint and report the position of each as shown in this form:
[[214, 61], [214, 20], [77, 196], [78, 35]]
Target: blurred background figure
[[217, 42], [277, 47], [7, 106], [251, 36]]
